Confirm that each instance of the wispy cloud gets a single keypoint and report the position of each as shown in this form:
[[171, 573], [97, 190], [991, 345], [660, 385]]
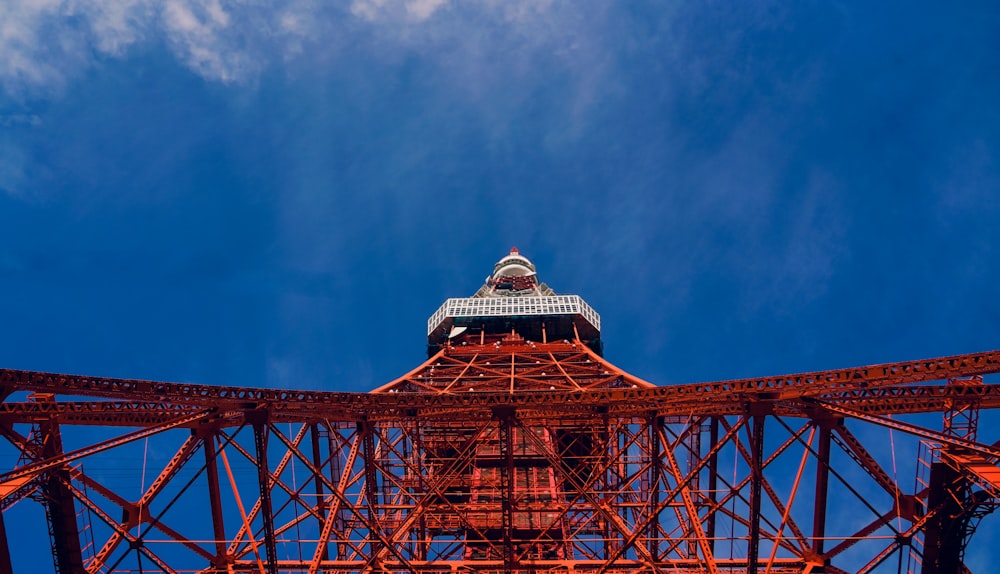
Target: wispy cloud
[[26, 59], [485, 60], [419, 10], [381, 9], [46, 43], [112, 27], [199, 32]]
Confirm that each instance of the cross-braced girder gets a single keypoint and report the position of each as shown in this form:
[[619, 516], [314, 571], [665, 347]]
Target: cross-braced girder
[[505, 455]]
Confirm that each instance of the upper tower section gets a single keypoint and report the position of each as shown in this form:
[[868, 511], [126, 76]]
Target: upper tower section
[[513, 276], [512, 300]]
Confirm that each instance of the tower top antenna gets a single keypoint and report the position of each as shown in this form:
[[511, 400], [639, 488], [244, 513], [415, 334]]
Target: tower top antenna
[[512, 299]]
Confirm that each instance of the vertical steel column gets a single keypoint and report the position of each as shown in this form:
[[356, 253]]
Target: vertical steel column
[[371, 488], [317, 463], [605, 444], [215, 503], [505, 420], [5, 566], [260, 432], [417, 463], [655, 472], [944, 536], [756, 474], [59, 505], [822, 487], [713, 480], [336, 450], [385, 465], [693, 459], [950, 493]]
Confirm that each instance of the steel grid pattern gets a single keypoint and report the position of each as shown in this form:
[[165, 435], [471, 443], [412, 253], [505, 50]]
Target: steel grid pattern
[[507, 456]]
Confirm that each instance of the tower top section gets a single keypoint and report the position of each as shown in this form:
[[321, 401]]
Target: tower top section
[[512, 300], [513, 276]]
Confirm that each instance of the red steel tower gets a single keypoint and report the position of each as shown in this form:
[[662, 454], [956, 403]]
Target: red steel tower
[[515, 447]]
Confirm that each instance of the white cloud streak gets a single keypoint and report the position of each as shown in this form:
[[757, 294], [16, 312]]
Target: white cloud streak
[[45, 44], [489, 55], [420, 10], [414, 10], [199, 32]]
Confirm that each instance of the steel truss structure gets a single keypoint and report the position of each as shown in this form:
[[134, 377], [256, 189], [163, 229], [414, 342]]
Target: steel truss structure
[[511, 456], [503, 454]]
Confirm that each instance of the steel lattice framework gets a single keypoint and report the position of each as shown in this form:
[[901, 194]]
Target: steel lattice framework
[[504, 454]]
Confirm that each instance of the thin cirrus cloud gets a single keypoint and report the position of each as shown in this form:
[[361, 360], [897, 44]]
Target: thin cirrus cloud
[[378, 9], [46, 43]]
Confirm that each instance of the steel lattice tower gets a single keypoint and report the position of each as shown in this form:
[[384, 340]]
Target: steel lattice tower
[[515, 447]]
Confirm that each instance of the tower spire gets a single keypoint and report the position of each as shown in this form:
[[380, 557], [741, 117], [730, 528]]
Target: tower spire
[[510, 340], [513, 300]]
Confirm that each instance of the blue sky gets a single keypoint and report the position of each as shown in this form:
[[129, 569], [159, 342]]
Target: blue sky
[[280, 193], [256, 194]]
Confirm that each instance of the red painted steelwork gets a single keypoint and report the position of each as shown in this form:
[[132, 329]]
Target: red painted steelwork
[[507, 456]]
